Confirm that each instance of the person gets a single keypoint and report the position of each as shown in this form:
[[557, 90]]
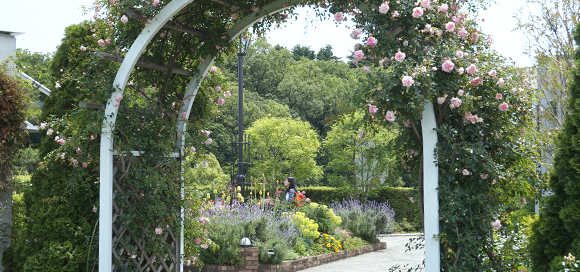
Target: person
[[290, 191]]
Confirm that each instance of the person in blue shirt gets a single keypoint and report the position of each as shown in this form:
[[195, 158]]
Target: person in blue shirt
[[290, 191]]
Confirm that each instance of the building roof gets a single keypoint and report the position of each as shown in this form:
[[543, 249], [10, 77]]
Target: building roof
[[10, 33]]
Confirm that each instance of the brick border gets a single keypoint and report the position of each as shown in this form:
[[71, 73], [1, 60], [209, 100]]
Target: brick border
[[250, 256]]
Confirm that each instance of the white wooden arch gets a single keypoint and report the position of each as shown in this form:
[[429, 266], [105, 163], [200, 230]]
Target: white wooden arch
[[431, 175]]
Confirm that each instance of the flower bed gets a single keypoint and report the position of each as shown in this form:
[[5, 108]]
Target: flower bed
[[283, 231], [290, 265]]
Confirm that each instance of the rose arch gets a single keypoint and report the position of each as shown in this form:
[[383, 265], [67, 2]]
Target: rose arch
[[427, 115]]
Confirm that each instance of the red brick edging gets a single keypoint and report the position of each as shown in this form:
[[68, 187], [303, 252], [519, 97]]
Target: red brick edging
[[250, 256]]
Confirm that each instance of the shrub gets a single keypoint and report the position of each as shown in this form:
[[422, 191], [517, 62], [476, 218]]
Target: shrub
[[265, 228], [365, 221], [322, 215]]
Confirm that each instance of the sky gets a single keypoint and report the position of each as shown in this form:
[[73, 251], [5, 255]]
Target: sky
[[43, 23]]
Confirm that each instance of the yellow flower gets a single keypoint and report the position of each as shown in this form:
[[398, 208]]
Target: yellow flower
[[335, 249], [339, 246], [327, 245]]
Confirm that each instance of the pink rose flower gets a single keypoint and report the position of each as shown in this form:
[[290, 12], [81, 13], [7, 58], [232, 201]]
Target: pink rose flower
[[204, 164], [450, 26], [220, 101], [492, 73], [400, 56], [500, 82], [208, 141], [460, 92], [119, 98], [94, 209], [158, 231], [426, 3], [338, 16], [396, 14], [472, 69], [83, 48], [355, 34], [85, 164], [447, 66], [361, 134], [42, 125], [359, 55], [405, 43], [483, 176], [197, 241], [462, 33], [192, 149], [459, 54], [183, 115], [213, 69], [234, 16], [455, 102], [441, 100], [496, 224], [227, 94], [79, 151], [417, 12], [373, 109], [443, 8], [366, 69], [384, 8], [407, 123], [372, 41], [407, 81], [503, 106], [498, 96], [476, 81], [390, 116], [155, 3], [124, 19], [465, 172], [460, 70], [101, 43], [115, 105], [412, 200]]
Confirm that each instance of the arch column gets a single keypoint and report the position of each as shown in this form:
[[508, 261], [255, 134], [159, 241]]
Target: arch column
[[430, 194]]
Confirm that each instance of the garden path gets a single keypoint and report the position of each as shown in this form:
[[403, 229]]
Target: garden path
[[381, 260]]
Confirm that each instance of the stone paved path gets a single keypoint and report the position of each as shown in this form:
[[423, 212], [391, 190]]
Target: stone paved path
[[381, 260]]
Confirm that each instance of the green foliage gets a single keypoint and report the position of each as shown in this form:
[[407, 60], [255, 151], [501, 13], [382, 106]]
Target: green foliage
[[396, 197], [37, 66], [325, 53], [557, 232], [308, 226], [13, 104], [361, 157], [325, 218], [353, 243], [28, 159], [285, 147], [282, 251], [204, 170], [299, 52]]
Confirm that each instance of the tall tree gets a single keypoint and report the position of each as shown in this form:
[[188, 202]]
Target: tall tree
[[359, 157], [283, 147], [325, 53], [548, 25], [299, 52], [557, 233]]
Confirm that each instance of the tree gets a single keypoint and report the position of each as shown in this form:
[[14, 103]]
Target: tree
[[285, 147], [37, 66], [548, 25], [299, 52], [204, 170], [13, 103], [325, 53], [557, 233], [361, 158]]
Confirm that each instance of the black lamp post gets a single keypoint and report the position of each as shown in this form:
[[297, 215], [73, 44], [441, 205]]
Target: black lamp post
[[244, 43]]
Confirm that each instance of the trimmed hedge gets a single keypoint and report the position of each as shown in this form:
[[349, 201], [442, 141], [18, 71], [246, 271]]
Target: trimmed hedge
[[396, 197]]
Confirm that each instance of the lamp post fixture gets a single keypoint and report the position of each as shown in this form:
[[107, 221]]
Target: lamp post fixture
[[244, 43]]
